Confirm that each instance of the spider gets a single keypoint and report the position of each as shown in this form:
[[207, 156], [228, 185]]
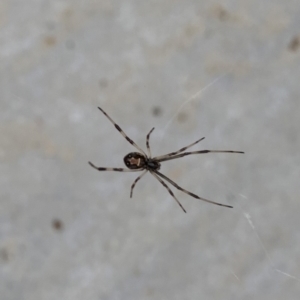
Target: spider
[[140, 161]]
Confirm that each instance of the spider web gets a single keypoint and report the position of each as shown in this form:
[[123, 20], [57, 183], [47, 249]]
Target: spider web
[[195, 96], [243, 212]]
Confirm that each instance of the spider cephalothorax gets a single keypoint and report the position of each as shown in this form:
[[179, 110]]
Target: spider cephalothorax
[[139, 161]]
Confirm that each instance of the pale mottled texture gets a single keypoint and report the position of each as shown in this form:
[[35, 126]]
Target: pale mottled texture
[[70, 232]]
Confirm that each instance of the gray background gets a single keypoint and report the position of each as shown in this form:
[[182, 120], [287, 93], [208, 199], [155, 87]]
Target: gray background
[[70, 232]]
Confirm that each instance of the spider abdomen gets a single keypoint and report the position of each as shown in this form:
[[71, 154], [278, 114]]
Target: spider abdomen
[[135, 160]]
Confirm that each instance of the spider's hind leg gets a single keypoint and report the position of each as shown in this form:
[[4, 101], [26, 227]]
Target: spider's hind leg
[[189, 193], [169, 190]]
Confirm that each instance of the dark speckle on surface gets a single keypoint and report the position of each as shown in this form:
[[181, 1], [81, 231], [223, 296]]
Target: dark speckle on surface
[[50, 40], [294, 44], [57, 224], [4, 254], [182, 117], [157, 111], [103, 83], [221, 13]]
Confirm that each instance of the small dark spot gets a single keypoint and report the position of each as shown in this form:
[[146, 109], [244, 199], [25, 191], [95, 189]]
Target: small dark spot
[[221, 13], [67, 14], [4, 254], [70, 44], [182, 117], [294, 44], [57, 224], [103, 83], [156, 111], [50, 40]]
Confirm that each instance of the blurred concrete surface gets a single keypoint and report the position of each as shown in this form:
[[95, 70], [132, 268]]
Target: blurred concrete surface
[[227, 70]]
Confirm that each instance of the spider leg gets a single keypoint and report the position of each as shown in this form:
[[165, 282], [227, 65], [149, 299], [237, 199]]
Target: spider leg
[[187, 192], [122, 132], [134, 183], [114, 169], [147, 142], [169, 190], [178, 151], [195, 152]]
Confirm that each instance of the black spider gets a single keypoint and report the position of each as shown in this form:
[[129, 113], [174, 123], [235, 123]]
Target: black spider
[[139, 161]]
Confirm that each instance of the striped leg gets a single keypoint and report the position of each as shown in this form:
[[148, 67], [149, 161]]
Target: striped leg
[[122, 132], [189, 193], [178, 151], [134, 183], [147, 142], [114, 169], [169, 190], [195, 152]]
